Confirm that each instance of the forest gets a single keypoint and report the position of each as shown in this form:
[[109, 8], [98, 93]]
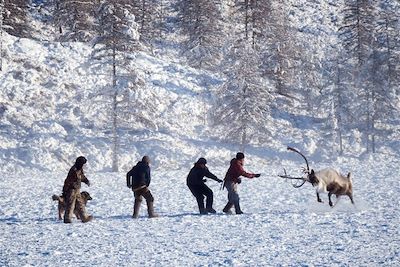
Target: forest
[[332, 66]]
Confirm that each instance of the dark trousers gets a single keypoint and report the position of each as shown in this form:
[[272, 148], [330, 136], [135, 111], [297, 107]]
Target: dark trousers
[[139, 194], [143, 192], [199, 191]]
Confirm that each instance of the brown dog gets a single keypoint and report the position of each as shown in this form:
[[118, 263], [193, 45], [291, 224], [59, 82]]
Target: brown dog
[[61, 204]]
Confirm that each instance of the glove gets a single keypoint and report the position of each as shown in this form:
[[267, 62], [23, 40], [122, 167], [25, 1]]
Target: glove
[[204, 180], [257, 175], [88, 183], [239, 180]]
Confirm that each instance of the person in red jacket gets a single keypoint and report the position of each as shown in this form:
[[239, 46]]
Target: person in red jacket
[[232, 179]]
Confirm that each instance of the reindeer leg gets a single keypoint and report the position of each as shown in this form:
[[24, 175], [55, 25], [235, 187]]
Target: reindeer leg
[[330, 201], [318, 198], [351, 198], [59, 212]]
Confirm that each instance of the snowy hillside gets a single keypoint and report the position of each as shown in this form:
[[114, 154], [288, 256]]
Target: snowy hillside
[[42, 128], [47, 116]]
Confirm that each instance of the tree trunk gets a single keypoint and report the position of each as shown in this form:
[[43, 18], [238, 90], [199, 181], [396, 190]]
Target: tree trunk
[[368, 122], [142, 20], [373, 137], [243, 141], [115, 117], [337, 106], [246, 19], [161, 19], [1, 33]]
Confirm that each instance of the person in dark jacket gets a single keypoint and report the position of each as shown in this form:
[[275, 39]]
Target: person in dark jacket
[[138, 178], [232, 178], [199, 189], [71, 191]]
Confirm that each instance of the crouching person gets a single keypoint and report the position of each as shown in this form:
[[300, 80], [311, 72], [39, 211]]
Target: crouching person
[[199, 189], [138, 178], [72, 194]]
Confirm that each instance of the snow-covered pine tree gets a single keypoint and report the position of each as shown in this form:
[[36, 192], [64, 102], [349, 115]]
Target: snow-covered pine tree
[[382, 99], [125, 101], [335, 102], [242, 108], [367, 35], [388, 30], [356, 33], [74, 20], [311, 32], [319, 77], [201, 24], [254, 15], [1, 33], [150, 19], [390, 18], [335, 91], [280, 52], [16, 17], [260, 22]]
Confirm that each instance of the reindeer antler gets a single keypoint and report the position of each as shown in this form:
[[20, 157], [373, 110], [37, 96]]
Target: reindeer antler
[[305, 170], [285, 176], [304, 157]]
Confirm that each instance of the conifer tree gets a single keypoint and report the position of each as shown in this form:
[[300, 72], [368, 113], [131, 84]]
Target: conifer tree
[[201, 25], [74, 20], [16, 17], [366, 35], [125, 99], [150, 19]]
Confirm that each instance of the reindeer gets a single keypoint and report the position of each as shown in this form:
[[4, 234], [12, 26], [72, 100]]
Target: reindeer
[[326, 180]]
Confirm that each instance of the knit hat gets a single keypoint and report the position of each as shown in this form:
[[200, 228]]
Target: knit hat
[[202, 161], [239, 155]]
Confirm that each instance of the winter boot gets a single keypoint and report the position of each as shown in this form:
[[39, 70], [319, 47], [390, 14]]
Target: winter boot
[[150, 210], [136, 208], [68, 215], [211, 210], [209, 203], [200, 203], [227, 208], [237, 208]]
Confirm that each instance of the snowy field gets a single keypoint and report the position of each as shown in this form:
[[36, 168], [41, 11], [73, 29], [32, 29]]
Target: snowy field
[[282, 226]]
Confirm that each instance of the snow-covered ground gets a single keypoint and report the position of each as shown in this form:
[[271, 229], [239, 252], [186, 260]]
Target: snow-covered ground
[[282, 226]]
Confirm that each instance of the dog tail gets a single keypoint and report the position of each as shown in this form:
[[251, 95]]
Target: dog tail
[[55, 197]]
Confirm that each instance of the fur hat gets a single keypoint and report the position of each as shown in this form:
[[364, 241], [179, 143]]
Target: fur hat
[[79, 162], [202, 161], [239, 155]]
